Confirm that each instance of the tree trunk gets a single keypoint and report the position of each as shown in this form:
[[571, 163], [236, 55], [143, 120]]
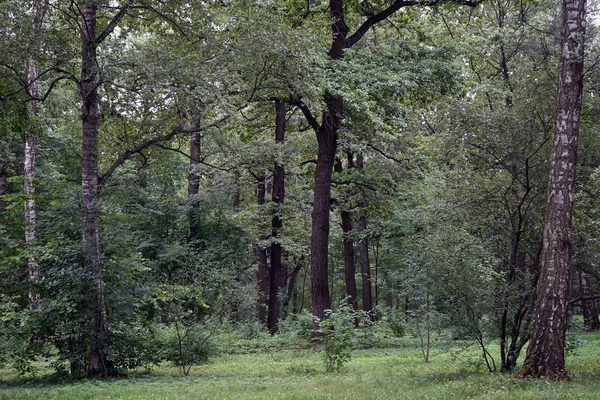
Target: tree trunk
[[365, 269], [90, 111], [347, 243], [291, 290], [3, 177], [590, 313], [33, 264], [365, 262], [277, 277], [349, 271], [263, 267], [193, 181], [546, 351]]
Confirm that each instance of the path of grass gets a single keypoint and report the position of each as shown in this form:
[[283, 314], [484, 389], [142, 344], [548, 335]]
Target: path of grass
[[397, 373]]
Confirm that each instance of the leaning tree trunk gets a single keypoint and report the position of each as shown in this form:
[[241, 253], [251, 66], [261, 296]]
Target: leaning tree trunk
[[193, 181], [90, 111], [276, 274], [546, 351]]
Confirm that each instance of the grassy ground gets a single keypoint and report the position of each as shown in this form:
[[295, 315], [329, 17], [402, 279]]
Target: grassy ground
[[392, 373]]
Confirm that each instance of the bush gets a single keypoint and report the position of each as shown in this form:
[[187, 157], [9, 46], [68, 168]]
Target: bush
[[336, 332], [297, 326], [395, 320]]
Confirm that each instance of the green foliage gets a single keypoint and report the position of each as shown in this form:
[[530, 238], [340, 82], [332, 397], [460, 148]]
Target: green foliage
[[336, 333], [396, 320]]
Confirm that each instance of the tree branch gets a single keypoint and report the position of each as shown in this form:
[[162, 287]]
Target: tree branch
[[307, 114], [113, 22], [389, 11], [150, 142]]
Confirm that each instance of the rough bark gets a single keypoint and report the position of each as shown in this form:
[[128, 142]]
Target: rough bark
[[99, 364], [193, 180], [546, 351], [90, 112], [276, 275]]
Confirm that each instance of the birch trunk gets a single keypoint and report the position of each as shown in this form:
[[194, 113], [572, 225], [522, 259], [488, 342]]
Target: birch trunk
[[546, 351]]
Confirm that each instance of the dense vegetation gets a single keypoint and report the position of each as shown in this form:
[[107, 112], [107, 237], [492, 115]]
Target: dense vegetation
[[175, 175]]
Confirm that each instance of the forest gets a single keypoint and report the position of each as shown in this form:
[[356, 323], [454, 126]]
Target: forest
[[180, 177]]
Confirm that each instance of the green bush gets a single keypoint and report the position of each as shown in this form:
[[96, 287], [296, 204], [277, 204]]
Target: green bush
[[336, 332], [395, 320]]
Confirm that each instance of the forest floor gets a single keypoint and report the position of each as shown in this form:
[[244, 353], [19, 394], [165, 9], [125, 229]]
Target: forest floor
[[455, 371]]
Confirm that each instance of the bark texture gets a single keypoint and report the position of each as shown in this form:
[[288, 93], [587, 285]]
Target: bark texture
[[546, 351], [90, 113], [33, 264], [193, 180], [277, 275]]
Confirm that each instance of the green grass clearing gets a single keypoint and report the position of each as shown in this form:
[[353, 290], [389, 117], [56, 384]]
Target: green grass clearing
[[391, 373]]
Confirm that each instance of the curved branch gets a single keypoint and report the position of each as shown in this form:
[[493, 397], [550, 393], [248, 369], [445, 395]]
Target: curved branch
[[151, 142]]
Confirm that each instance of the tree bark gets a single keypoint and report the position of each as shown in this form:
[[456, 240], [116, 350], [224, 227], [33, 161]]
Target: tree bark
[[348, 246], [33, 264], [193, 180], [365, 262], [277, 277], [546, 351], [263, 267], [90, 112]]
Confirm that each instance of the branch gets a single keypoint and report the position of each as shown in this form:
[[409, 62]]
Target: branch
[[150, 142], [583, 299], [307, 114], [113, 22], [388, 12], [399, 161]]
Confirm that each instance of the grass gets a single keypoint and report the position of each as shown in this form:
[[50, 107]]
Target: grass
[[391, 373]]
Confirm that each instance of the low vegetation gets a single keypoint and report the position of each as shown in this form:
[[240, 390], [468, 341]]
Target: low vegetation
[[261, 367]]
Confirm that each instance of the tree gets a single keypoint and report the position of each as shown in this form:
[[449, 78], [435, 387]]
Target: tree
[[327, 139], [277, 273], [546, 351]]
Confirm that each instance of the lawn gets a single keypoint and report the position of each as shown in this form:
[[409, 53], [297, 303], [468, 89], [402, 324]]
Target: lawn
[[391, 373]]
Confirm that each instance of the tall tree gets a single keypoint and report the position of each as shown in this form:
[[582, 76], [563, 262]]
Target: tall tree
[[365, 262], [327, 141], [29, 159], [546, 351], [277, 273], [90, 115]]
